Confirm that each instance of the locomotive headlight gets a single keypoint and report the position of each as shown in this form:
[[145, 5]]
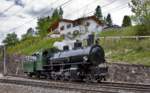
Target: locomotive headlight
[[85, 58]]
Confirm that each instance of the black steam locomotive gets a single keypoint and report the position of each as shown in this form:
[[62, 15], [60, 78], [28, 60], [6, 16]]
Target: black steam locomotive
[[81, 63]]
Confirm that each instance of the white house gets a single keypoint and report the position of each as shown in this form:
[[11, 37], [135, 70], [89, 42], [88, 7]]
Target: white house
[[65, 26]]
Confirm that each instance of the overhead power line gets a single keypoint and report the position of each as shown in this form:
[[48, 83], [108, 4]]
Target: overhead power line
[[114, 9], [30, 2], [8, 8], [123, 7], [113, 1], [106, 5], [57, 7], [103, 6], [26, 21], [17, 11], [117, 7], [87, 5], [22, 24], [36, 17], [65, 3]]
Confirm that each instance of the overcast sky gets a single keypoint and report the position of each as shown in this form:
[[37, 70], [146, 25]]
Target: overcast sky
[[18, 15]]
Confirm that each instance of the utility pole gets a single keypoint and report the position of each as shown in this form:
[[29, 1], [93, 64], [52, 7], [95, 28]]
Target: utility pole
[[4, 60]]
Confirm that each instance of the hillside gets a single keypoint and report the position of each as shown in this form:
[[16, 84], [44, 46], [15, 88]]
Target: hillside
[[32, 45], [126, 50], [127, 31], [117, 50]]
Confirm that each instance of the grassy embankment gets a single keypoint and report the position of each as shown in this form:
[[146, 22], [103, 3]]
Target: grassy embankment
[[126, 50], [31, 45], [123, 50]]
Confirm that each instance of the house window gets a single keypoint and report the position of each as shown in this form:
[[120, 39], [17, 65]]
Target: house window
[[69, 25], [87, 24], [97, 26], [75, 24], [62, 28]]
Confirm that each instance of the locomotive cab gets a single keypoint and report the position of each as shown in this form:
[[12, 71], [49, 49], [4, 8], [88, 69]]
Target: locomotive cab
[[29, 65]]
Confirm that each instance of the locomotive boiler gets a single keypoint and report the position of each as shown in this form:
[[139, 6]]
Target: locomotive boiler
[[92, 55]]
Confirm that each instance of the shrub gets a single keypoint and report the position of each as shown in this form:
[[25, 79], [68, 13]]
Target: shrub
[[142, 30]]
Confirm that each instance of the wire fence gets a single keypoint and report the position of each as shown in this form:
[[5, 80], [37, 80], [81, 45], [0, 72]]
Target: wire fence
[[131, 49], [125, 37], [124, 41]]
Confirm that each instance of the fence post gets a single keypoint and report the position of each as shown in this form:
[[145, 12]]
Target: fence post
[[137, 38], [104, 40], [4, 61]]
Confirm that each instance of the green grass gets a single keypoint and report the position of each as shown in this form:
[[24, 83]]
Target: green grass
[[133, 57], [32, 45], [129, 51], [127, 31], [126, 50]]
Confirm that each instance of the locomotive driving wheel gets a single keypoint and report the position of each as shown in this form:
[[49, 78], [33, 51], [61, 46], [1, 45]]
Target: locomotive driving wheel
[[99, 80], [88, 78], [54, 76]]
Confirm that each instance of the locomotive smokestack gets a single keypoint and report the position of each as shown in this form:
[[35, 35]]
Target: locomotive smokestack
[[90, 40], [77, 44], [97, 41]]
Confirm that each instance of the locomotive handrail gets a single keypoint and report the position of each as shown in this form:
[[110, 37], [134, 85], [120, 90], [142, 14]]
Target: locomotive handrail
[[70, 64]]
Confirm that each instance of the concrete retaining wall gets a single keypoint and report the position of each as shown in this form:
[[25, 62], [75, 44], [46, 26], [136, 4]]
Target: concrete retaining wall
[[129, 73]]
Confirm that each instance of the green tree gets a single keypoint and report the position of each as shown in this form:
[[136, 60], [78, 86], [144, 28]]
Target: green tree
[[98, 12], [61, 12], [141, 9], [109, 20], [55, 14], [43, 24], [11, 39], [29, 34], [126, 21], [58, 13]]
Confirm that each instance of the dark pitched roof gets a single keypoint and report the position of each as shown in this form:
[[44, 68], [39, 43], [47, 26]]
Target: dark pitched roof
[[77, 21]]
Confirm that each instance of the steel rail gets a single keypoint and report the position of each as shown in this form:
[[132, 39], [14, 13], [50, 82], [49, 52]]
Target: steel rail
[[70, 87], [95, 87]]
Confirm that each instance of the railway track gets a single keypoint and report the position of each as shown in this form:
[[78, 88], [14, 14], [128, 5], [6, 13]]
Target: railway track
[[105, 87]]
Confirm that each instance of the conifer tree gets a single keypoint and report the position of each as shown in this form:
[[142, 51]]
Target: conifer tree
[[61, 12], [109, 20], [126, 21], [98, 12]]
